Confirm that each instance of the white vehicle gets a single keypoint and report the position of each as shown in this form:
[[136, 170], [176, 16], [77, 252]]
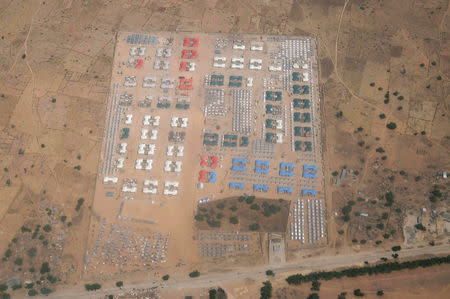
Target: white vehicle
[[249, 82]]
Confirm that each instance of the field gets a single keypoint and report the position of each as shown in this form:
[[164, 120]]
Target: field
[[379, 62]]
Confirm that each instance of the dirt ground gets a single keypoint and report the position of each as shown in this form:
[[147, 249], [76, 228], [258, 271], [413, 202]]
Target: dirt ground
[[55, 75]]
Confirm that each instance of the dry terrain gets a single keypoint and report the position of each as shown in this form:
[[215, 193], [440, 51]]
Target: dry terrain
[[380, 62]]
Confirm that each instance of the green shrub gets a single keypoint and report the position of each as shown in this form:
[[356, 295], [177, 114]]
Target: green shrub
[[166, 277], [195, 273]]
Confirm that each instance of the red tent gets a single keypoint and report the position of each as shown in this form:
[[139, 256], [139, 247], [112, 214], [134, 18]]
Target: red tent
[[140, 62], [214, 161], [204, 161], [202, 176]]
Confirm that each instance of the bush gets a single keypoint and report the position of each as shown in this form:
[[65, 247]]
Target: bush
[[335, 173], [119, 284], [339, 114], [18, 261], [3, 287], [391, 126], [234, 220], [16, 287], [380, 150], [270, 273], [45, 268], [315, 286], [266, 290], [166, 277], [195, 273], [219, 215], [342, 295], [51, 278], [47, 228], [420, 226], [313, 296], [254, 227], [199, 217], [92, 286], [78, 167], [233, 208], [254, 207], [29, 285], [63, 218], [380, 226], [249, 200], [220, 206], [382, 116], [46, 291], [80, 202], [32, 293], [358, 293], [380, 293], [212, 294], [241, 198]]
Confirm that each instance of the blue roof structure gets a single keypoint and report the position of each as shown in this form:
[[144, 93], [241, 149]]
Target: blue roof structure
[[308, 192], [212, 177], [235, 185], [310, 171], [287, 190], [260, 187], [286, 169], [239, 164], [262, 166]]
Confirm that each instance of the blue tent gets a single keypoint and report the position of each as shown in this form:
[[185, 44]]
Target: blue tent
[[310, 171], [308, 192]]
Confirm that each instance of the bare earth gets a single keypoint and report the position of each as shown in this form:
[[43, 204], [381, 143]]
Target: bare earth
[[55, 78]]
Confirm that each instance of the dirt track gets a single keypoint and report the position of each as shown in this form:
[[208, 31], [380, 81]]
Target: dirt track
[[258, 273]]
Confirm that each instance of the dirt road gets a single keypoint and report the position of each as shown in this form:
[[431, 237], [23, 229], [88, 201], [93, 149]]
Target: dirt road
[[258, 273]]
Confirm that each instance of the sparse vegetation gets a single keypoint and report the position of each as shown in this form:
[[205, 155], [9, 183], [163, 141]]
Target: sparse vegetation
[[92, 287], [166, 277], [266, 290], [391, 126], [119, 284], [270, 273], [194, 273], [80, 202]]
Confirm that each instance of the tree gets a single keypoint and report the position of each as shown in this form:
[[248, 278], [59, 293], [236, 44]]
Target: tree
[[339, 114], [270, 273], [80, 202], [254, 226], [254, 207], [313, 296], [234, 220], [342, 295], [63, 218], [380, 293], [382, 116], [47, 228], [195, 273], [166, 277], [18, 261], [358, 293], [335, 173], [315, 286], [221, 206], [233, 208], [391, 126], [46, 291], [3, 287], [119, 284], [266, 290], [92, 286], [8, 182], [396, 248], [45, 268], [212, 294], [32, 293]]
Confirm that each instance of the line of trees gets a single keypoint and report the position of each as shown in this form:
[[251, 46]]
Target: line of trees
[[370, 270]]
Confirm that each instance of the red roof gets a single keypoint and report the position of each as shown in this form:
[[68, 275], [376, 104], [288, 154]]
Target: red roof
[[183, 66], [193, 54], [184, 54], [214, 161], [186, 42], [204, 161], [195, 42], [202, 176]]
